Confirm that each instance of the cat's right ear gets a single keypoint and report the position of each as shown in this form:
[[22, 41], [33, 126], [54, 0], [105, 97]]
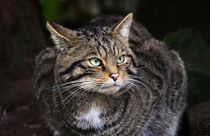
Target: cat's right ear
[[59, 34], [123, 27]]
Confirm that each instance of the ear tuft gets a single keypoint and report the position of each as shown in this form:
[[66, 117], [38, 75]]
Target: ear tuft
[[59, 34], [56, 29], [123, 28]]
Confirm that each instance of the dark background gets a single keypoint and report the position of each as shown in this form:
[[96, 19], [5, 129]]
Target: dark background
[[183, 24]]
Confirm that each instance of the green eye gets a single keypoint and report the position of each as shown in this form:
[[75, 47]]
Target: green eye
[[95, 62], [120, 60]]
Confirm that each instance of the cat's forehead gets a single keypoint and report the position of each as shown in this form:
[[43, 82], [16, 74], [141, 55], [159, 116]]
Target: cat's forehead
[[94, 33], [102, 40]]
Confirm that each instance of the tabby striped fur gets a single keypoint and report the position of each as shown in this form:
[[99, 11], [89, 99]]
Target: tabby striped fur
[[147, 99]]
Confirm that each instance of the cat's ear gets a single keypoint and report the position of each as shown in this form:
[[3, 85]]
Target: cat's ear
[[123, 27], [59, 34]]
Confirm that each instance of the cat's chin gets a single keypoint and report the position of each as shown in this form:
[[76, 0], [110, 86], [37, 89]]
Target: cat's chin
[[109, 89]]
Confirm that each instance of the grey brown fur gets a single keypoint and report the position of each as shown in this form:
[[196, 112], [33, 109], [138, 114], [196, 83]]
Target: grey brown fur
[[150, 103]]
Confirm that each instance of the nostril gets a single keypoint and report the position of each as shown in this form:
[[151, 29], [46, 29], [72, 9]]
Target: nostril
[[114, 76]]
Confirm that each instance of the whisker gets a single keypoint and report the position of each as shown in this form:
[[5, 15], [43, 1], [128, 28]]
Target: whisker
[[67, 83], [62, 98], [82, 89], [68, 90], [65, 88], [77, 84], [141, 67], [133, 79], [72, 94], [137, 81], [133, 85]]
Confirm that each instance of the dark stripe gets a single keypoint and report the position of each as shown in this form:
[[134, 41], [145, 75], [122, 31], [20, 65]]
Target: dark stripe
[[114, 48], [106, 51], [79, 76], [98, 49], [135, 43], [130, 72], [111, 50], [70, 68], [81, 66], [76, 67], [133, 31], [132, 61]]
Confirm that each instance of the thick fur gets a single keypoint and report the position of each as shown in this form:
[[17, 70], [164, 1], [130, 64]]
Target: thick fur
[[152, 106]]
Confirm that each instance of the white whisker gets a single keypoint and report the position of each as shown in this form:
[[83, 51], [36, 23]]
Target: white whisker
[[83, 88], [71, 95], [133, 85], [133, 80], [69, 83]]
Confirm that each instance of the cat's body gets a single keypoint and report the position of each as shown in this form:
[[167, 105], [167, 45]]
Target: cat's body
[[110, 78]]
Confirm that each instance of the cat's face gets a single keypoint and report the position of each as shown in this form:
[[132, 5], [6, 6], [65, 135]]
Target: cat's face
[[109, 70], [96, 60], [99, 66]]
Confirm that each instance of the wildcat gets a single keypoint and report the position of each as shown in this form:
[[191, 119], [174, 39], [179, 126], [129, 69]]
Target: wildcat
[[110, 77]]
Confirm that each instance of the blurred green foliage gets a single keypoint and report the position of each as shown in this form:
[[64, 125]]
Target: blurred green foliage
[[196, 54], [51, 9], [73, 14]]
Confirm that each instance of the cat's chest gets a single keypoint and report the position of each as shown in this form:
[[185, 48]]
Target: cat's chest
[[90, 119]]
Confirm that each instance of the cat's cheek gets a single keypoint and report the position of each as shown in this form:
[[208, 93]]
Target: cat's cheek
[[122, 83], [124, 67], [122, 75]]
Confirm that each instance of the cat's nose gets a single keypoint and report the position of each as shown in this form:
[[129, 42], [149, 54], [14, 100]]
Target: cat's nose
[[114, 76]]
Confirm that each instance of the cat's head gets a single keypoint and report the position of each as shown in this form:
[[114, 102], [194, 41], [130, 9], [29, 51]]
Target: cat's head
[[94, 58]]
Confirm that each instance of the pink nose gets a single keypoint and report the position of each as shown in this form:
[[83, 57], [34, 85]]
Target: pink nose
[[114, 76]]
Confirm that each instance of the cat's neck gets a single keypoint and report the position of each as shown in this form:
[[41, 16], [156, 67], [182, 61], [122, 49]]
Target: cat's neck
[[102, 101], [92, 110]]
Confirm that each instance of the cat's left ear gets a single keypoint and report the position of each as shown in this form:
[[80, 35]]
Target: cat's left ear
[[123, 28], [60, 35]]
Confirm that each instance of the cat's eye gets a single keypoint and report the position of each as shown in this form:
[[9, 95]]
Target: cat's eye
[[95, 62], [120, 60]]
